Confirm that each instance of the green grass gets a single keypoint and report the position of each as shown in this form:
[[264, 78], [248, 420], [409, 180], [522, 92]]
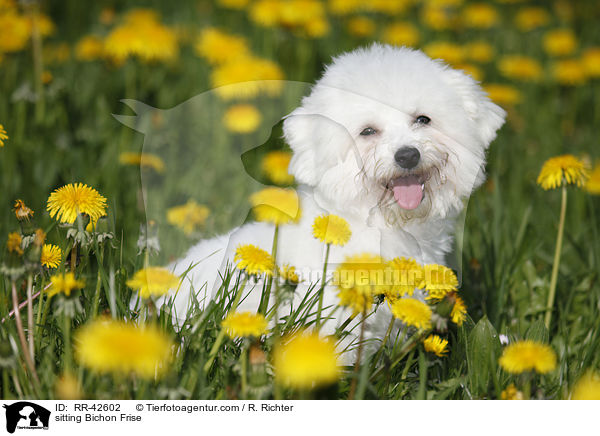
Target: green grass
[[507, 246]]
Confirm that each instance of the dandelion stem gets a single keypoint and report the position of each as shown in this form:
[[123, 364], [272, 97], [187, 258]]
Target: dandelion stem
[[73, 257], [21, 333], [98, 282], [264, 300], [322, 290], [244, 359], [30, 323], [422, 375], [67, 343], [556, 263]]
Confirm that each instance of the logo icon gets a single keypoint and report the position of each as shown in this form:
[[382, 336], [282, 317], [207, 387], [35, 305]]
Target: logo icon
[[26, 415]]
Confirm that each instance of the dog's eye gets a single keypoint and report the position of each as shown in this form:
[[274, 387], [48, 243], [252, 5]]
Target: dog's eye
[[422, 119], [368, 131]]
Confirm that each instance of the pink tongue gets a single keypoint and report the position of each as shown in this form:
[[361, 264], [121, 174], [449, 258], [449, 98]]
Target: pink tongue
[[407, 192]]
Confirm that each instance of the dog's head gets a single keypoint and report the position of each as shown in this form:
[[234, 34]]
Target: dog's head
[[390, 131]]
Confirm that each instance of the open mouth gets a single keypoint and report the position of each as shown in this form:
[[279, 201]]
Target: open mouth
[[408, 190]]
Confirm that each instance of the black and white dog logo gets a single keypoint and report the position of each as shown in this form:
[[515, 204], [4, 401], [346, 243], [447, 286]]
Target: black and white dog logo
[[26, 415]]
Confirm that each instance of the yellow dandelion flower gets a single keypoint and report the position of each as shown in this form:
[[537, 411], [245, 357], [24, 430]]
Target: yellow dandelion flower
[[143, 160], [401, 34], [447, 51], [188, 217], [89, 48], [153, 281], [436, 345], [67, 387], [51, 256], [359, 278], [355, 299], [407, 275], [479, 51], [265, 13], [234, 4], [332, 229], [531, 18], [560, 42], [141, 16], [459, 311], [306, 16], [276, 205], [63, 284], [218, 47], [3, 135], [344, 7], [242, 118], [47, 77], [559, 170], [520, 68], [504, 95], [528, 355], [22, 212], [439, 280], [438, 17], [141, 36], [66, 202], [590, 60], [305, 361], [288, 274], [275, 166], [480, 16], [587, 388], [244, 324], [412, 312], [512, 393], [110, 346], [592, 185], [316, 28], [247, 77], [569, 72], [361, 27], [254, 260], [14, 243], [16, 31]]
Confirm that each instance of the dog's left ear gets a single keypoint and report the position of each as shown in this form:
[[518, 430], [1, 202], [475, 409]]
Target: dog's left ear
[[488, 116]]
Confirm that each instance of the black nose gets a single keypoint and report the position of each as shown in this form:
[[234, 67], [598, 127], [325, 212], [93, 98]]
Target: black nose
[[407, 157]]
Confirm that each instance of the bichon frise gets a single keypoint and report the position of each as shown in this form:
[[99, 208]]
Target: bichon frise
[[388, 139]]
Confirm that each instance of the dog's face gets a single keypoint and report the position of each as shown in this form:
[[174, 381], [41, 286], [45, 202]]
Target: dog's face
[[387, 130]]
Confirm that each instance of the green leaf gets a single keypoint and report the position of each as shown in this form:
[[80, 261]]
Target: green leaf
[[483, 351]]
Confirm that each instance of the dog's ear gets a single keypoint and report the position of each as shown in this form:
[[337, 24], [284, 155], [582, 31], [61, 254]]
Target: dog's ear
[[318, 144], [488, 116]]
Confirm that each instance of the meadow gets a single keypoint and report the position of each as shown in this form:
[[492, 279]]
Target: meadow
[[138, 101]]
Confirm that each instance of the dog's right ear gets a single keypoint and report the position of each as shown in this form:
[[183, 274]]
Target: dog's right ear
[[318, 143]]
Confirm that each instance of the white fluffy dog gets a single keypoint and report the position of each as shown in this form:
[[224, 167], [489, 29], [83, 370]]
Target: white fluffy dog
[[388, 139]]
